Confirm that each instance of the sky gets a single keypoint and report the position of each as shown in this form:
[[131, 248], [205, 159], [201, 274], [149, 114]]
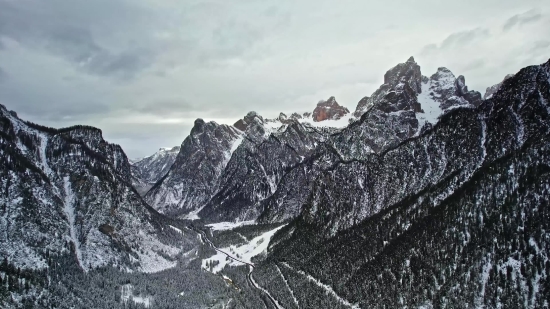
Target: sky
[[144, 70]]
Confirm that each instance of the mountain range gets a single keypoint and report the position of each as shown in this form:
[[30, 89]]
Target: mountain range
[[427, 195]]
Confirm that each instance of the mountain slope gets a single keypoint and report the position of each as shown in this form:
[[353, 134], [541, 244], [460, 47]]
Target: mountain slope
[[405, 106], [456, 217], [67, 192], [193, 178], [147, 171]]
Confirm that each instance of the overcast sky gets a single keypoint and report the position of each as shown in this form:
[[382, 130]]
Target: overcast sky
[[144, 70]]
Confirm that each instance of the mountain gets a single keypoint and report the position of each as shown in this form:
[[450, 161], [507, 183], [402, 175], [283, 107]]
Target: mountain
[[455, 216], [329, 110], [147, 171], [67, 192], [401, 108], [193, 177], [427, 196], [257, 165], [257, 180], [406, 105], [240, 165]]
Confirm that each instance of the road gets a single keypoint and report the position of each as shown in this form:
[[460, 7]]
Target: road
[[250, 265]]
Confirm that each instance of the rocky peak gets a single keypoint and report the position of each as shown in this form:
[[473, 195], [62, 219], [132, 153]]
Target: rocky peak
[[447, 91], [362, 106], [329, 109], [443, 83], [408, 72], [403, 80], [250, 118], [461, 85], [198, 126]]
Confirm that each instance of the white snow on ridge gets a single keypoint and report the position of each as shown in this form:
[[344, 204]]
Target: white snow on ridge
[[236, 144], [330, 123]]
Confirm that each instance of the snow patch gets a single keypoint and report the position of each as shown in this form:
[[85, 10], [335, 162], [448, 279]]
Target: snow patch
[[127, 294], [193, 215], [223, 226], [236, 144], [431, 108], [69, 211], [324, 286], [150, 259], [288, 287], [176, 229], [239, 255], [329, 123]]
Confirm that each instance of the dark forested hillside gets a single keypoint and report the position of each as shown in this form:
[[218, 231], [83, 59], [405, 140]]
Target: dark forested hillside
[[455, 218]]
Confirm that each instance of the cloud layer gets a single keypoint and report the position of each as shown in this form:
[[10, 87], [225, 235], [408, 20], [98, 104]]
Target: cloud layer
[[143, 70]]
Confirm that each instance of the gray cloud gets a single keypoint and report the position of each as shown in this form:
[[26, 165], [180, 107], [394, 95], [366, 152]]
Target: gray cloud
[[41, 25], [521, 19], [464, 37], [541, 46], [476, 64], [144, 70], [169, 107], [3, 75], [458, 39]]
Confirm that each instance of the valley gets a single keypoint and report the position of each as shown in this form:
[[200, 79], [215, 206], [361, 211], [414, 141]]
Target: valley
[[428, 195]]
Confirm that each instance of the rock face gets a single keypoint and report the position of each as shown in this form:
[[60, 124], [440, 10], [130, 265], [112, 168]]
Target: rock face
[[329, 109], [147, 171], [405, 226], [405, 84], [257, 166], [362, 107], [194, 176], [250, 119], [67, 192]]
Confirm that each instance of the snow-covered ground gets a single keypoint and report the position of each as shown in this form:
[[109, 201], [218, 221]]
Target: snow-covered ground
[[193, 215], [150, 259], [243, 253], [127, 293], [223, 226]]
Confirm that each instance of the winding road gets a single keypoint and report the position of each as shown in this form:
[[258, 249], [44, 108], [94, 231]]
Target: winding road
[[249, 277]]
